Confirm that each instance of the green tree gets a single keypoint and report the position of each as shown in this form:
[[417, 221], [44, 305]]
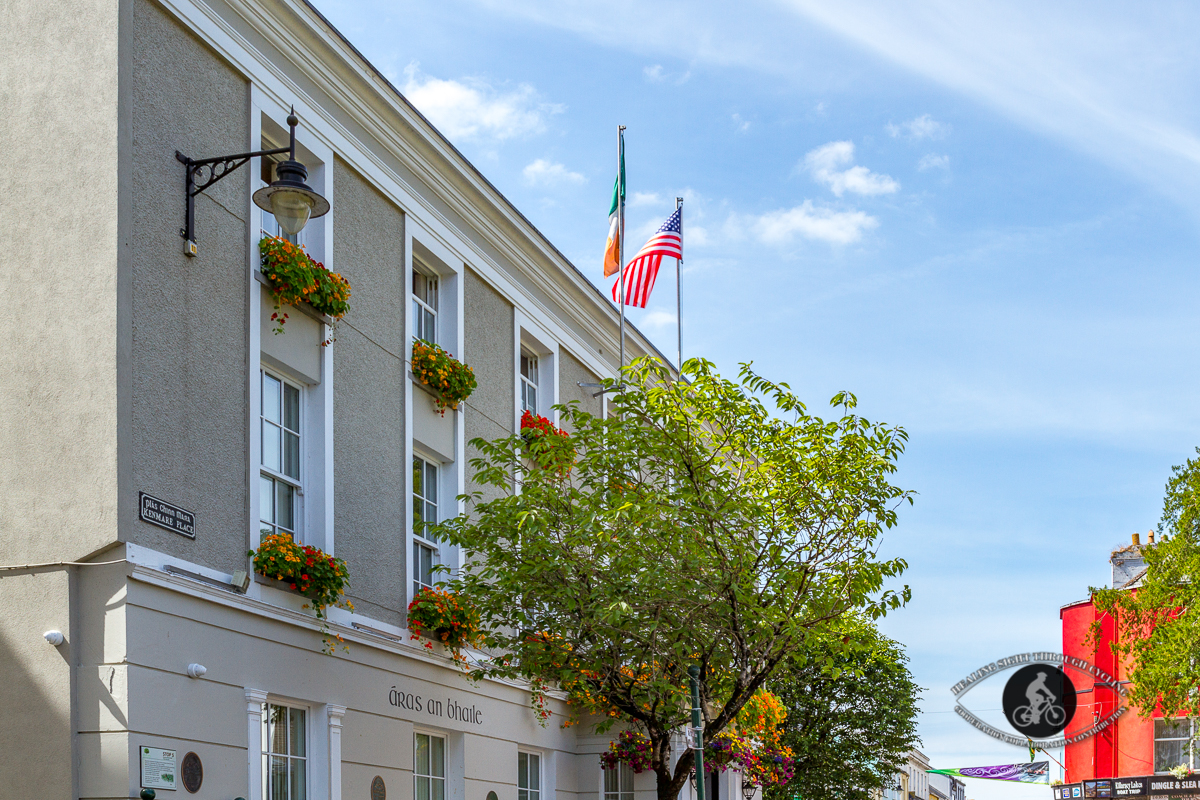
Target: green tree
[[1159, 621], [852, 714], [696, 525]]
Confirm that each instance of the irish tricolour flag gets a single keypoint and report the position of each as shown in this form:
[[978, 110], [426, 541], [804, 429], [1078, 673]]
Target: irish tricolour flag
[[612, 249]]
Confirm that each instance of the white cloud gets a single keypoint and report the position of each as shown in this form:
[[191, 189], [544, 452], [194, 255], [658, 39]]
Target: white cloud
[[933, 161], [653, 74], [808, 222], [742, 125], [695, 236], [547, 173], [644, 199], [922, 127], [472, 108], [824, 163], [657, 318]]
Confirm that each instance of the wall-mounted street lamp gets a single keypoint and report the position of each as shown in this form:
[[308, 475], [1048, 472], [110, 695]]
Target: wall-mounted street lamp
[[289, 198]]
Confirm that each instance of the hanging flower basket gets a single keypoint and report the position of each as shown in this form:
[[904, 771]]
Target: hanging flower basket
[[631, 748], [296, 278], [322, 578], [451, 380], [546, 444], [440, 616]]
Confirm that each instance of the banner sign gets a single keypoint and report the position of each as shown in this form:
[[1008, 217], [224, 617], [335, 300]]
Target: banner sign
[[1034, 772]]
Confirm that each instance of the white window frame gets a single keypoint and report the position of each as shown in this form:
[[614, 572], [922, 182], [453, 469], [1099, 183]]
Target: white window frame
[[1189, 746], [536, 790], [618, 794], [279, 476], [421, 304], [528, 384], [417, 776], [267, 754], [317, 508], [422, 543], [529, 338]]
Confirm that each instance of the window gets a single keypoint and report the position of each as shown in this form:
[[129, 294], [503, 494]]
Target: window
[[618, 783], [284, 753], [279, 478], [1172, 744], [429, 767], [425, 306], [529, 776], [425, 513], [529, 381]]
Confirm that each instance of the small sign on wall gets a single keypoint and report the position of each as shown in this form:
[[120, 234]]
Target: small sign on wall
[[165, 515], [158, 768]]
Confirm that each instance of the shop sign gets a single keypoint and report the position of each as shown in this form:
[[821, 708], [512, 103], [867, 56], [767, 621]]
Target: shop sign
[[1149, 786], [158, 768], [448, 708], [164, 515], [1039, 701]]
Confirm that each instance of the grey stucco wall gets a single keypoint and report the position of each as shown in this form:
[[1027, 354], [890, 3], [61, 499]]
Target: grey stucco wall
[[35, 685], [488, 349], [368, 387], [59, 256], [571, 373], [189, 403]]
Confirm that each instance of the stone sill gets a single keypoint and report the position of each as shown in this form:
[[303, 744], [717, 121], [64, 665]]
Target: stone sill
[[303, 308]]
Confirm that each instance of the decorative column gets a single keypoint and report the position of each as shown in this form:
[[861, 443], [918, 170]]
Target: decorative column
[[254, 722], [335, 750]]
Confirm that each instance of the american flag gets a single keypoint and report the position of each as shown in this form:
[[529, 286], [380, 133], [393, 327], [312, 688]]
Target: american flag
[[642, 269]]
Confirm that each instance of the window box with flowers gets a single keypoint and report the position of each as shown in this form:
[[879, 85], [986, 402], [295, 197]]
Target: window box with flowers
[[319, 577], [547, 445], [451, 380], [437, 615], [295, 278]]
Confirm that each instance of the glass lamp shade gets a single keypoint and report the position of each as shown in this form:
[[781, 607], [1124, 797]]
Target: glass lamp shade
[[291, 209], [290, 199]]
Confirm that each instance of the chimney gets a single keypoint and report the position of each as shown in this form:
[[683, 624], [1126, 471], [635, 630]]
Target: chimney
[[1150, 537], [1137, 539]]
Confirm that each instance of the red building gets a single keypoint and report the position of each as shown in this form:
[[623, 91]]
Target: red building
[[1127, 746]]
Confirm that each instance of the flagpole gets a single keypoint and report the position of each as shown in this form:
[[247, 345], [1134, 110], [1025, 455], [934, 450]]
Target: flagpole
[[678, 291], [621, 237]]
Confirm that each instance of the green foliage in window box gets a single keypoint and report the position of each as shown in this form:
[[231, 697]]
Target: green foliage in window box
[[296, 278], [452, 380]]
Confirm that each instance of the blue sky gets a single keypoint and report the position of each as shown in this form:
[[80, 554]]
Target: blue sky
[[980, 218]]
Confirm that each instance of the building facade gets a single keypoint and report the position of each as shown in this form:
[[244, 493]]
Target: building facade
[[137, 375]]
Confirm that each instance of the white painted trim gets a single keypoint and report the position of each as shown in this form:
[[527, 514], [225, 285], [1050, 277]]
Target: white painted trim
[[254, 700], [335, 715]]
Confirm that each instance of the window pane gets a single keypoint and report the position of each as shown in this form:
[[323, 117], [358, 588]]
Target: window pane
[[284, 506], [296, 735], [291, 455], [291, 407], [1170, 728], [270, 446], [439, 789], [299, 779], [626, 773], [421, 785], [276, 719], [418, 473], [271, 398], [431, 493], [266, 499], [610, 781], [535, 772], [1168, 754], [523, 771], [278, 778], [422, 755], [533, 406], [437, 756]]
